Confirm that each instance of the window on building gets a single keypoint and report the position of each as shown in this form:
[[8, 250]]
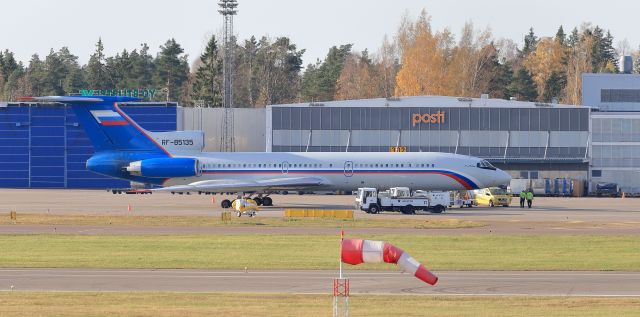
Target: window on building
[[620, 95], [524, 174], [533, 175], [596, 173]]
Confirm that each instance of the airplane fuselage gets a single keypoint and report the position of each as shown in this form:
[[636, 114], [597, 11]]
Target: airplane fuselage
[[349, 171]]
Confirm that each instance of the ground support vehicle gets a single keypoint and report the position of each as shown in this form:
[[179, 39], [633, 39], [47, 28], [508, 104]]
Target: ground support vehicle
[[400, 199], [492, 196]]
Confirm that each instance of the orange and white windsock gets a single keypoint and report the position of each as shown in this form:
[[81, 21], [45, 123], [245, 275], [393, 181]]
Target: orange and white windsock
[[357, 251]]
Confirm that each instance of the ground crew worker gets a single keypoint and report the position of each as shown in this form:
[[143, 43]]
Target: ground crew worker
[[529, 198], [523, 196]]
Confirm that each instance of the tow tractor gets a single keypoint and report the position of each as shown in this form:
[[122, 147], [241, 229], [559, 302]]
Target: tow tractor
[[401, 199]]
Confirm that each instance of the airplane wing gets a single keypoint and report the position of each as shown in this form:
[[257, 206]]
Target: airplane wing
[[230, 185]]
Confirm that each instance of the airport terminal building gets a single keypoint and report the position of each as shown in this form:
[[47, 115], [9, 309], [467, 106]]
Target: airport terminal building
[[530, 140], [615, 121]]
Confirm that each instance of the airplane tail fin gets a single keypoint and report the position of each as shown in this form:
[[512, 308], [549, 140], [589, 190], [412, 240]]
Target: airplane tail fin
[[107, 126]]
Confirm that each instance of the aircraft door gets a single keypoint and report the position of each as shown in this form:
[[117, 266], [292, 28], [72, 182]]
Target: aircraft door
[[285, 167], [348, 168]]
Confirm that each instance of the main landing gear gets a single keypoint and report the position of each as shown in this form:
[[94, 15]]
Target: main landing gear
[[260, 201]]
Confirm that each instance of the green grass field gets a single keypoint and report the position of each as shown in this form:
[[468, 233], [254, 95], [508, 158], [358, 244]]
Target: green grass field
[[455, 252], [19, 304], [210, 221]]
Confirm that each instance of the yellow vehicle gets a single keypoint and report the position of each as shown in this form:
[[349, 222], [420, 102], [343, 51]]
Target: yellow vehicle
[[492, 196]]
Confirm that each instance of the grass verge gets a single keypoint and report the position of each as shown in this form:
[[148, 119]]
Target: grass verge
[[225, 304], [210, 221], [455, 252]]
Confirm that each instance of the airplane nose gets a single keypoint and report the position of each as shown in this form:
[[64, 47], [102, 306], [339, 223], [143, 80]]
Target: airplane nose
[[503, 177]]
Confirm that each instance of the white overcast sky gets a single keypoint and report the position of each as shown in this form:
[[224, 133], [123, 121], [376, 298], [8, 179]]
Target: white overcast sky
[[36, 26]]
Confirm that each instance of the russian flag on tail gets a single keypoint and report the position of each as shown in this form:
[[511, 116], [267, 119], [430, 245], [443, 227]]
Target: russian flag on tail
[[357, 251], [108, 118]]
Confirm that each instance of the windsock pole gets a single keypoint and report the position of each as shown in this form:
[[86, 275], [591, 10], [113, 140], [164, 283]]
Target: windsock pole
[[340, 259], [341, 287]]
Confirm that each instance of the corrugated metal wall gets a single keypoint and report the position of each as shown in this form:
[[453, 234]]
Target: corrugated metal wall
[[42, 146], [249, 127]]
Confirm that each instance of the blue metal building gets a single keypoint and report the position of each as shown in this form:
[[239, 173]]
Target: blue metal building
[[43, 146]]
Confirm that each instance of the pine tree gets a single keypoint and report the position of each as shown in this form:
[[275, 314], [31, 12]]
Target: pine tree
[[73, 80], [574, 38], [523, 87], [36, 74], [97, 77], [278, 71], [561, 37], [246, 86], [530, 43], [55, 74], [207, 85], [501, 77], [142, 68], [8, 63], [554, 86], [172, 70], [319, 81]]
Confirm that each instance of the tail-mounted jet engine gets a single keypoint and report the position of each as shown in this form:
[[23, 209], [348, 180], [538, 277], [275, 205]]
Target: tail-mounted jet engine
[[165, 167]]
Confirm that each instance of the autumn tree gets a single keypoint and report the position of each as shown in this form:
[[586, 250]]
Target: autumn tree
[[470, 70], [424, 60], [546, 64], [388, 65], [359, 78], [579, 62]]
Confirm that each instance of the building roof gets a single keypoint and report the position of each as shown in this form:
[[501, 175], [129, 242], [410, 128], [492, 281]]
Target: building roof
[[429, 101]]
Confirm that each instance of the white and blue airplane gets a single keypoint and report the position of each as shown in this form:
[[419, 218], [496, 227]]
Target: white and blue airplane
[[174, 161]]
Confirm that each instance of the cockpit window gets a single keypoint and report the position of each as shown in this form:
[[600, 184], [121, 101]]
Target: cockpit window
[[485, 165]]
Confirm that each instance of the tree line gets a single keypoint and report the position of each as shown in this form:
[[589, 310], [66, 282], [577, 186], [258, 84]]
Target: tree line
[[416, 60]]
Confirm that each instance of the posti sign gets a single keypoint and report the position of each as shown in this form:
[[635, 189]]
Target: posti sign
[[138, 93], [428, 118]]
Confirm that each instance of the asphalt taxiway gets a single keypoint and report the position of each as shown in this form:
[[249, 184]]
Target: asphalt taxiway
[[489, 283]]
